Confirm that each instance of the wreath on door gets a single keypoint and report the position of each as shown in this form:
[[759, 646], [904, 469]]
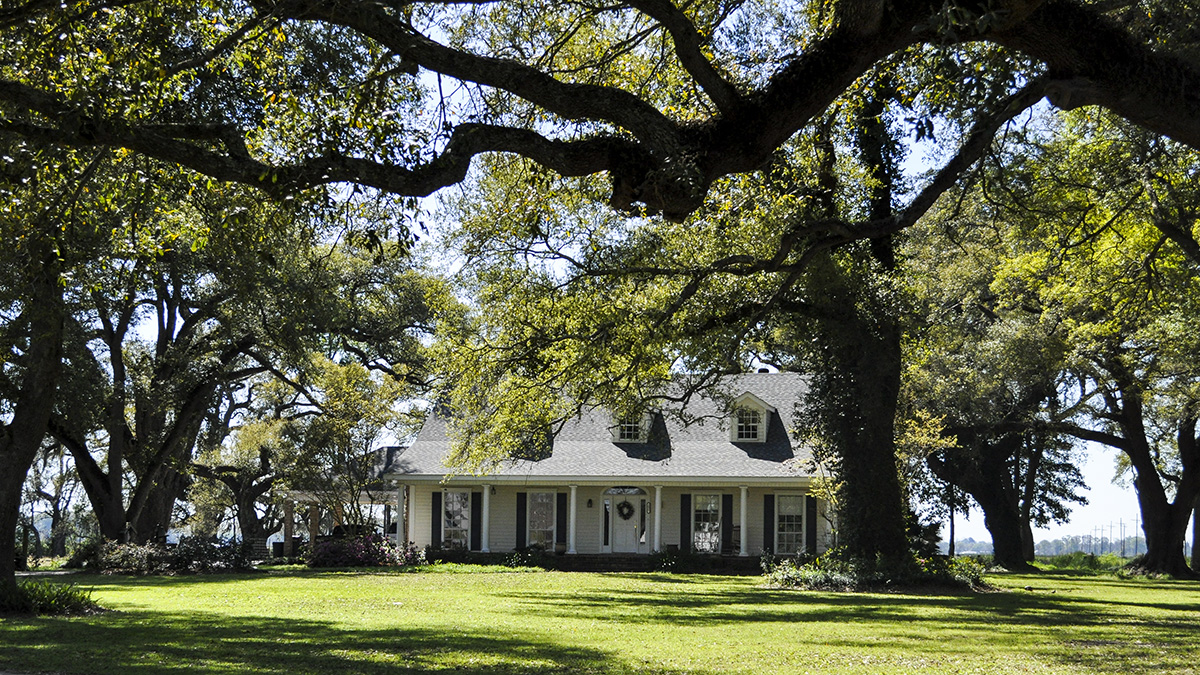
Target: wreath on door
[[625, 510]]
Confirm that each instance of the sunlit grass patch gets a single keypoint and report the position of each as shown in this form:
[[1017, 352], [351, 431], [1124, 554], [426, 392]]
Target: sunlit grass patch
[[497, 621]]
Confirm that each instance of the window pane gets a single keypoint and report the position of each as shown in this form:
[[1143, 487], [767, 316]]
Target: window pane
[[706, 524], [541, 519], [748, 423], [456, 527], [630, 430], [790, 532]]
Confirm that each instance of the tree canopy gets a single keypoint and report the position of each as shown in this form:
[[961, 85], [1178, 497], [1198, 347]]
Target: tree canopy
[[758, 147], [665, 99]]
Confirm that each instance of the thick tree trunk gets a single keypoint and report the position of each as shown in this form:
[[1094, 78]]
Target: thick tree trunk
[[255, 530], [22, 436], [1028, 546], [16, 456], [103, 490], [981, 469], [154, 519], [872, 510], [1004, 524], [1164, 523], [1165, 527], [1002, 517], [864, 342]]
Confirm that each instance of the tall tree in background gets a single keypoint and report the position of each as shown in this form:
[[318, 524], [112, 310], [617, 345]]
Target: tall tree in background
[[1096, 271], [992, 372], [53, 483], [297, 425]]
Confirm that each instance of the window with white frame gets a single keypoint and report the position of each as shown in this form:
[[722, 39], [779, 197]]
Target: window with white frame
[[706, 523], [749, 424], [789, 524], [541, 520], [749, 418], [631, 429], [456, 527]]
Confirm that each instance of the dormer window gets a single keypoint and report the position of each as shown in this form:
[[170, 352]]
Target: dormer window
[[748, 422], [749, 425], [631, 429]]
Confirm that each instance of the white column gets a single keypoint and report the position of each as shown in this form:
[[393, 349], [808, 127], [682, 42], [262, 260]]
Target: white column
[[744, 547], [412, 513], [400, 515], [571, 521], [658, 518], [485, 526]]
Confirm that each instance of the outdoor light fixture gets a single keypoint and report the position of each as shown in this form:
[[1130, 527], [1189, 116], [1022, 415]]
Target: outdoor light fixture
[[589, 503]]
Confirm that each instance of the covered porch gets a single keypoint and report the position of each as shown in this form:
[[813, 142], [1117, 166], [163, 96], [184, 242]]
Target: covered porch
[[615, 516]]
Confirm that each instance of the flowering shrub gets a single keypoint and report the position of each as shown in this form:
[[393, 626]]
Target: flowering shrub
[[371, 550], [825, 573], [833, 571], [190, 555]]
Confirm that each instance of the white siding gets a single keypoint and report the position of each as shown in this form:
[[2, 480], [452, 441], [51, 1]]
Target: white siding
[[590, 521]]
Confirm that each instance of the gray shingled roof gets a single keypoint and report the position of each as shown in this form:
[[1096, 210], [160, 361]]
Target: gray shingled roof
[[585, 447]]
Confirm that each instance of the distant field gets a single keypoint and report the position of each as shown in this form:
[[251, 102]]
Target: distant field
[[552, 622]]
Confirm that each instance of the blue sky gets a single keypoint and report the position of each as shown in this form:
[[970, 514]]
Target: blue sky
[[1107, 504]]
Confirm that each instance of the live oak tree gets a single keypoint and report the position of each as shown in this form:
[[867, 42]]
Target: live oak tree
[[298, 426], [993, 371], [335, 450], [52, 485], [665, 102], [39, 211], [1103, 217], [158, 322]]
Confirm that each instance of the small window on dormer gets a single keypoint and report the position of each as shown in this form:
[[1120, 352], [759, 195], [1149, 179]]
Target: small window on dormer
[[749, 424], [749, 419], [631, 429]]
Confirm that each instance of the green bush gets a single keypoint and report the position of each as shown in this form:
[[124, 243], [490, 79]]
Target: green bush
[[820, 574], [86, 555], [833, 571], [192, 555], [35, 596], [371, 550], [529, 558], [1079, 561]]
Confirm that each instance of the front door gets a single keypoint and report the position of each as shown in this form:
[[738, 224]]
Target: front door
[[629, 525]]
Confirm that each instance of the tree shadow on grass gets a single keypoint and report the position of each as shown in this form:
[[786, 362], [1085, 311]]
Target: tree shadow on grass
[[147, 642], [1127, 636]]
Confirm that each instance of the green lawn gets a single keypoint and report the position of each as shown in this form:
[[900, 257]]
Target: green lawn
[[306, 622]]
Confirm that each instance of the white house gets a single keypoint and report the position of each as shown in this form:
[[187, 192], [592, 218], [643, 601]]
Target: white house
[[733, 485]]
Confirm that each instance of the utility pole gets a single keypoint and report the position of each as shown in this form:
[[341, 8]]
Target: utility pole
[[1135, 534], [1122, 521]]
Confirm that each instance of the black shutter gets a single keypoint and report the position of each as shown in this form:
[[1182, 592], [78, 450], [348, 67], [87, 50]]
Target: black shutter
[[560, 519], [810, 524], [476, 521], [607, 520], [726, 523], [768, 523], [522, 514], [685, 523], [436, 516]]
